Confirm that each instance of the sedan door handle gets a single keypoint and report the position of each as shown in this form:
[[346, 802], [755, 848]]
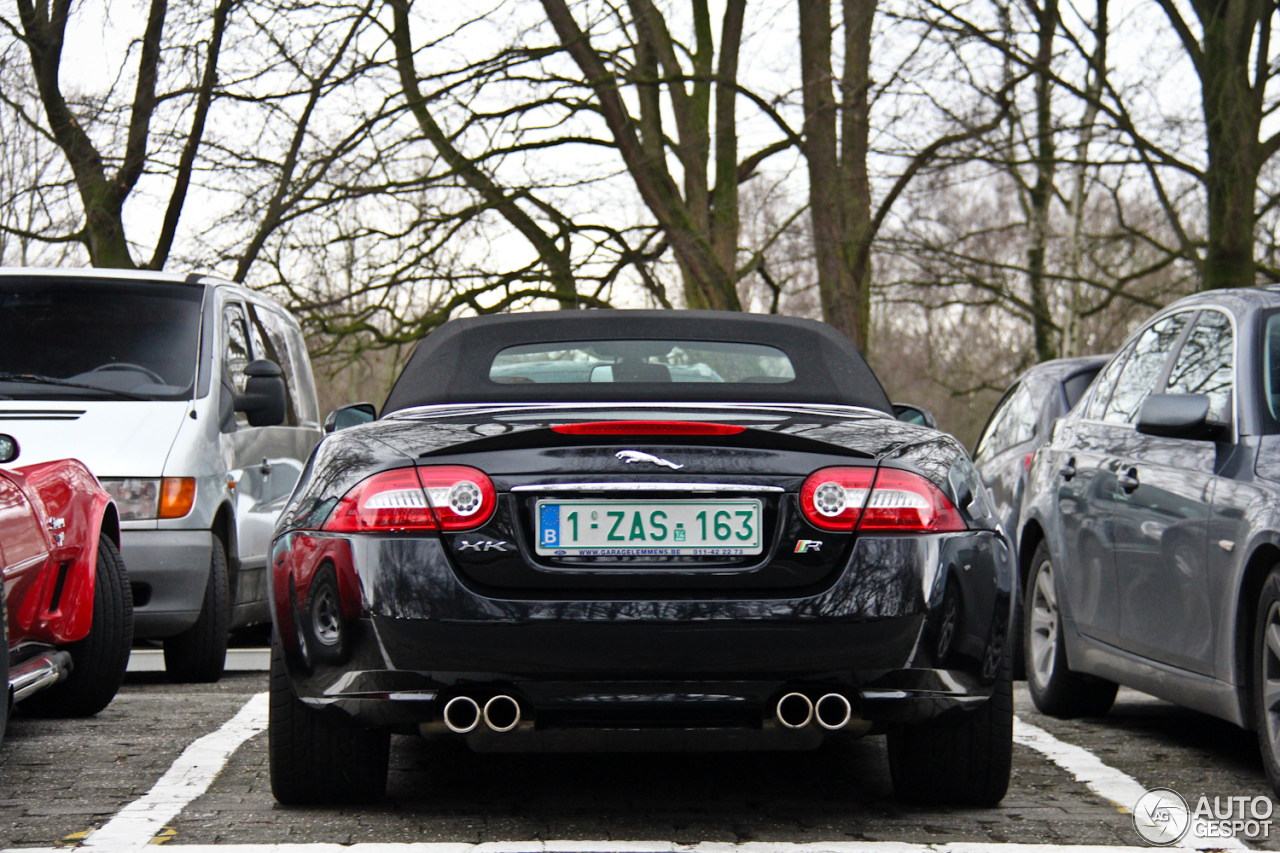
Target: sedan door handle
[[1128, 480], [1068, 470]]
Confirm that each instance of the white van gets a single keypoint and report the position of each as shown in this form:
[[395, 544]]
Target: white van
[[192, 400]]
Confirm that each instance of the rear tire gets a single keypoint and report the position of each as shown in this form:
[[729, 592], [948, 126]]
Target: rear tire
[[99, 660], [199, 654], [963, 760], [1056, 690], [317, 759]]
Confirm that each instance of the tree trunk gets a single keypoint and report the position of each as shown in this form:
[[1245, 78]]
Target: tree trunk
[[1233, 118], [1042, 191]]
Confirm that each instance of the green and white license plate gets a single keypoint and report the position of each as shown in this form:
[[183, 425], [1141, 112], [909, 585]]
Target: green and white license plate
[[698, 528]]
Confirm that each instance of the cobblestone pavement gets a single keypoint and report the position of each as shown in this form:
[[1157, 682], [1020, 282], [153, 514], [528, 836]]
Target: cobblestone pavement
[[60, 778]]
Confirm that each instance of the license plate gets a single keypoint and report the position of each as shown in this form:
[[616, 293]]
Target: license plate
[[699, 528]]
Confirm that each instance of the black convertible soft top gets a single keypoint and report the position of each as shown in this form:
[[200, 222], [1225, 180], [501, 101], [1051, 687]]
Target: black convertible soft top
[[453, 364]]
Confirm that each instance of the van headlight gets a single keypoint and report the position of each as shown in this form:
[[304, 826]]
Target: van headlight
[[139, 498], [136, 498]]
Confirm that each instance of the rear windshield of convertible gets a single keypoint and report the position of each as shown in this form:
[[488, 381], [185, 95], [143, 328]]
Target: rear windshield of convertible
[[641, 361], [635, 356]]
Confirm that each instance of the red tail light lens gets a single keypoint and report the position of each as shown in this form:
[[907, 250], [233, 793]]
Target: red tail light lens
[[647, 428], [908, 503], [888, 501], [439, 497], [832, 498], [392, 501], [463, 498]]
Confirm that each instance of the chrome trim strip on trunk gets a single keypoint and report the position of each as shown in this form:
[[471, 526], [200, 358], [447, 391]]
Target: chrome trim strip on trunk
[[722, 411], [646, 487]]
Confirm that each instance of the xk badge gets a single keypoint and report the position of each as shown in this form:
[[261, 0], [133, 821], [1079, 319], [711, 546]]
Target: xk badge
[[483, 545]]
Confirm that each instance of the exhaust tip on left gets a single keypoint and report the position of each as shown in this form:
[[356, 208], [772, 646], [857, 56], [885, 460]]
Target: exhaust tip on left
[[795, 710], [461, 715]]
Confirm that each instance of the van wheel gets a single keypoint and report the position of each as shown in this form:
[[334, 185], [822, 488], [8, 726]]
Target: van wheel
[[99, 660], [962, 760], [315, 758], [1056, 690], [198, 654]]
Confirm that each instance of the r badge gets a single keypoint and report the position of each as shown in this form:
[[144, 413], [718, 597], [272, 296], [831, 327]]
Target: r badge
[[805, 546]]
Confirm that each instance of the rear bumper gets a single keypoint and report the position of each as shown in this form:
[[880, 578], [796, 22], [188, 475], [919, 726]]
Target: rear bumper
[[168, 570], [415, 635]]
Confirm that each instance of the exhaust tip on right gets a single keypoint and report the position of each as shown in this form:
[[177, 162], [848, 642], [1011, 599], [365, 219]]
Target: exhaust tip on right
[[461, 715], [833, 711], [502, 713], [795, 710]]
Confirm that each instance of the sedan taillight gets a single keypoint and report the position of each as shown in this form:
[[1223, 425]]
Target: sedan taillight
[[887, 501], [432, 497]]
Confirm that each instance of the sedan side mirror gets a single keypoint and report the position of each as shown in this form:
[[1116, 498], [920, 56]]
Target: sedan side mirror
[[264, 397], [910, 414], [349, 416], [8, 448], [1177, 416]]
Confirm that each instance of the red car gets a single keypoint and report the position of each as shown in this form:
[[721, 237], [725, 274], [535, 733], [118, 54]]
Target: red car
[[66, 606]]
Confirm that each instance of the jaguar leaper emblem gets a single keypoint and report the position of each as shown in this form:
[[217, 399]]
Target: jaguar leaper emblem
[[631, 456]]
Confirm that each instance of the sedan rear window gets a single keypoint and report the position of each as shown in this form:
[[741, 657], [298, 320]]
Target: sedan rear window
[[641, 361]]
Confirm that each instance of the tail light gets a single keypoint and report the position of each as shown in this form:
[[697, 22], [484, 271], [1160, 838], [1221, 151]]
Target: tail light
[[440, 497], [647, 428], [832, 498], [463, 498], [887, 501]]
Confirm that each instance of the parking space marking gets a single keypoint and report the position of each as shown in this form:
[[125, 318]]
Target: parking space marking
[[185, 780], [136, 825], [646, 847], [238, 660], [1104, 780]]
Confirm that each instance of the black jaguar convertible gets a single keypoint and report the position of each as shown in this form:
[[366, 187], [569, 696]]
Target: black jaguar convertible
[[639, 530]]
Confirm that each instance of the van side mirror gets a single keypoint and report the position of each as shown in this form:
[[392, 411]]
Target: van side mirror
[[349, 416], [910, 414], [263, 400], [1178, 416], [8, 448]]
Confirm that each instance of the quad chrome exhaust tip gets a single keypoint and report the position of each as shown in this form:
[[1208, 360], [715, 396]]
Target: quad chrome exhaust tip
[[795, 710], [462, 715], [833, 711], [502, 713]]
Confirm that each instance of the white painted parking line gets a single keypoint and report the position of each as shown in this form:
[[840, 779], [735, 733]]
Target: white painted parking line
[[1104, 780], [645, 847], [136, 825], [238, 660], [187, 778]]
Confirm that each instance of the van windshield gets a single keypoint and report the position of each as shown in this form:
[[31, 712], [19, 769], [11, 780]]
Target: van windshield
[[68, 338]]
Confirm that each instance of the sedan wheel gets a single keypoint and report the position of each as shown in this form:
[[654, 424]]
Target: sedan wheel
[[1056, 690], [1042, 627], [1266, 676]]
